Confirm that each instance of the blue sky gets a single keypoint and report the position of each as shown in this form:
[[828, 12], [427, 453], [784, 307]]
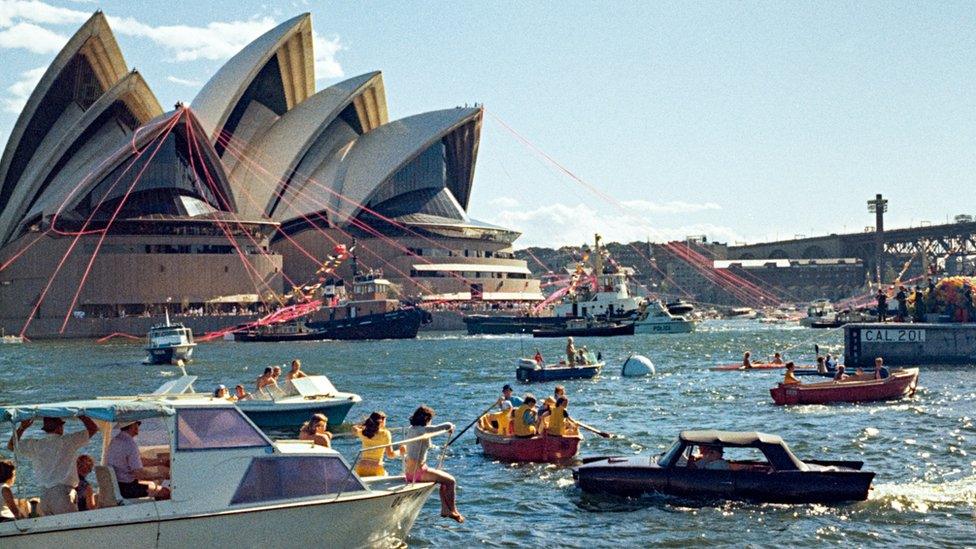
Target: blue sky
[[742, 121]]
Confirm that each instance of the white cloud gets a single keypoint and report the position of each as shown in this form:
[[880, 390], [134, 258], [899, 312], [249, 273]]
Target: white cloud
[[326, 65], [560, 224], [184, 81], [38, 12], [672, 207], [504, 202], [31, 37], [217, 40], [21, 89]]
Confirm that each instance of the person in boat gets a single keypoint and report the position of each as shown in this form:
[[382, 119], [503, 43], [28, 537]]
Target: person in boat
[[830, 362], [790, 377], [86, 494], [266, 379], [314, 430], [507, 396], [558, 392], [11, 508], [241, 394], [712, 459], [221, 392], [747, 360], [777, 359], [858, 372], [415, 463], [525, 417], [373, 432], [882, 300], [538, 358], [556, 420], [880, 370], [542, 415], [570, 351], [822, 365], [840, 375], [296, 370], [130, 469], [276, 374], [53, 459]]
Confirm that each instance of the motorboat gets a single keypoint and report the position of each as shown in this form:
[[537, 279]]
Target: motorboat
[[529, 371], [655, 318], [542, 448], [231, 486], [747, 313], [749, 466], [587, 328], [10, 339], [899, 384], [167, 343], [680, 307], [284, 408], [819, 312]]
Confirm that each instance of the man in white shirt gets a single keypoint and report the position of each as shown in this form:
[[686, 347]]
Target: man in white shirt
[[124, 457], [53, 458]]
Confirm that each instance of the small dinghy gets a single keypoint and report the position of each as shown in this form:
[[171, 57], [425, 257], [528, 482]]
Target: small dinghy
[[740, 367], [529, 371], [899, 384], [537, 449]]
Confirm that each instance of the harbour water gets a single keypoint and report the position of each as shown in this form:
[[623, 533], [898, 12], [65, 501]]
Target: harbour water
[[922, 449]]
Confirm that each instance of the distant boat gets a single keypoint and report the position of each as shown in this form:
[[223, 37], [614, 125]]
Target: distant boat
[[528, 371], [656, 319], [743, 313], [587, 328], [168, 343], [10, 339], [820, 312], [899, 384]]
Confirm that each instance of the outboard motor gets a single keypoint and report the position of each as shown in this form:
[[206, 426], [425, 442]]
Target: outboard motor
[[636, 366]]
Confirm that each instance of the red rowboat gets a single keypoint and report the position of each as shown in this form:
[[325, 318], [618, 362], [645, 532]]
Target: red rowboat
[[899, 384], [755, 366], [538, 449]]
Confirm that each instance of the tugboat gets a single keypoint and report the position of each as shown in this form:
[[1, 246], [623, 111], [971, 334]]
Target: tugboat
[[370, 314], [168, 343], [611, 300]]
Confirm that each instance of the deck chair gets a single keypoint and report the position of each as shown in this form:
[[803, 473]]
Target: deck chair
[[108, 487]]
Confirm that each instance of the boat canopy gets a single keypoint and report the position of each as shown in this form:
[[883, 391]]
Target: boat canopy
[[311, 386], [729, 438], [113, 411]]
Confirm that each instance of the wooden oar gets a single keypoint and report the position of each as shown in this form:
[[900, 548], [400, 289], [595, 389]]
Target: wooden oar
[[603, 434], [457, 436]]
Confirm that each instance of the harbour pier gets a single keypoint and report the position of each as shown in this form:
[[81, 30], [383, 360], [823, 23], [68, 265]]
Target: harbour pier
[[907, 344]]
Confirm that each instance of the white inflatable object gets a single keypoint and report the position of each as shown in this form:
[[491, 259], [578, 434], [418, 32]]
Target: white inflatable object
[[637, 365]]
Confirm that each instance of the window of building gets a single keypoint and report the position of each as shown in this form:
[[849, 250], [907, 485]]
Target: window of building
[[212, 428], [286, 477]]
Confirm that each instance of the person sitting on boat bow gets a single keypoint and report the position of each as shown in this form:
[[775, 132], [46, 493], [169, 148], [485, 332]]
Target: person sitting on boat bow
[[296, 370], [415, 463], [525, 417], [747, 360], [538, 358], [790, 377], [130, 469], [373, 432], [880, 370], [314, 430], [53, 458], [840, 375]]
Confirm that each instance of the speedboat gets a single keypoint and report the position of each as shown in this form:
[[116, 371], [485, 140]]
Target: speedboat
[[656, 319], [750, 466], [529, 371], [536, 449], [231, 486], [168, 343], [899, 384], [281, 408]]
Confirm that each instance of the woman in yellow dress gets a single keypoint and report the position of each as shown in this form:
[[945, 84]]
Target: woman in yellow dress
[[373, 432]]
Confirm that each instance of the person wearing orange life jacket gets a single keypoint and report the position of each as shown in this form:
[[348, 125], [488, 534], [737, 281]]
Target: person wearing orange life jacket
[[525, 417], [560, 424]]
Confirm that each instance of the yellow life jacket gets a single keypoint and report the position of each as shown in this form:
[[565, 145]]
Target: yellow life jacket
[[557, 422], [523, 429], [504, 419]]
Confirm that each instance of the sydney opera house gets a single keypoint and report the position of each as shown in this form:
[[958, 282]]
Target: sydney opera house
[[111, 208]]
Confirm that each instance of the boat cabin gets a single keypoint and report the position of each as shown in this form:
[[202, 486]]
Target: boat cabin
[[169, 335], [739, 450]]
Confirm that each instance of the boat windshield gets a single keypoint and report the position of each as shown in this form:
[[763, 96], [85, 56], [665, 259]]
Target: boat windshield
[[671, 455], [287, 477]]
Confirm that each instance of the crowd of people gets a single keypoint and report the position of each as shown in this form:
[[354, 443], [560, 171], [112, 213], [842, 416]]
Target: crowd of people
[[521, 417], [913, 305]]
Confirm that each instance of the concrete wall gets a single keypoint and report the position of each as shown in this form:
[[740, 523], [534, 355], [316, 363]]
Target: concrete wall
[[909, 344]]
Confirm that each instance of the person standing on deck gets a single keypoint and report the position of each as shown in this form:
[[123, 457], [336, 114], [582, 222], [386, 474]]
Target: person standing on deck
[[902, 298], [919, 304], [53, 458], [882, 299]]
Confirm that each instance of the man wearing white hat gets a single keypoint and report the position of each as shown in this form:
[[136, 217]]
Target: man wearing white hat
[[124, 458], [53, 458]]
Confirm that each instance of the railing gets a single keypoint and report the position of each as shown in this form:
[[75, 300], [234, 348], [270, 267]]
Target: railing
[[425, 436]]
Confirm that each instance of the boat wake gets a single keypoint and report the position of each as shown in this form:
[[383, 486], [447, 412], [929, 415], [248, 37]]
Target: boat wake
[[922, 497]]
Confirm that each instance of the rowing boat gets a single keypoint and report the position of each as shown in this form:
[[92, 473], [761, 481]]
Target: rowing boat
[[899, 384], [537, 449]]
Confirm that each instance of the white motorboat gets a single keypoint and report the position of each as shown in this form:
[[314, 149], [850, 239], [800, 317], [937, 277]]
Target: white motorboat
[[743, 313], [231, 487], [168, 343], [655, 319], [610, 297], [819, 312], [283, 408]]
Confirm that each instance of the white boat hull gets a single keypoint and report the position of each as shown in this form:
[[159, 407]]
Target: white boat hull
[[373, 519], [667, 327]]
